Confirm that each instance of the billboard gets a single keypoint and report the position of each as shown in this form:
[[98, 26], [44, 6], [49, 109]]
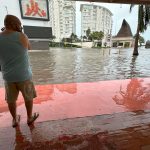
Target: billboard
[[34, 9], [38, 32]]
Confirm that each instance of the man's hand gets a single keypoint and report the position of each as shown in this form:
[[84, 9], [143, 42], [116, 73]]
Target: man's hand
[[25, 41]]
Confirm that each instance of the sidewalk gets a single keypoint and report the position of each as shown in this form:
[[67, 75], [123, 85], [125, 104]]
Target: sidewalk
[[121, 131], [106, 115]]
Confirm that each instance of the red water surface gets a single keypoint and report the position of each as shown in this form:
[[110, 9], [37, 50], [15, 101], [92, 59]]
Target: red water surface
[[60, 101]]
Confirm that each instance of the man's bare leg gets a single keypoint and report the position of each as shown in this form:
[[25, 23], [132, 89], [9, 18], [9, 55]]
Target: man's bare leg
[[29, 107], [30, 118], [16, 118], [12, 109]]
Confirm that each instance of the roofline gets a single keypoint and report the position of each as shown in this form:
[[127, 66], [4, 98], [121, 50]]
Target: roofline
[[97, 6], [144, 2]]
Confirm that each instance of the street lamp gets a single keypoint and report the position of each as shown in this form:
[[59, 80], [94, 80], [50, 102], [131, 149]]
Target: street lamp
[[6, 9]]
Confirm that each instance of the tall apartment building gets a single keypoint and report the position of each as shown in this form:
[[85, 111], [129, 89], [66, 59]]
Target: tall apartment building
[[97, 18], [62, 18]]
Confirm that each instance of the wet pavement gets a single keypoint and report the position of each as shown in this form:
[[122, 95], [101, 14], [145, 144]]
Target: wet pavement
[[78, 109], [119, 131]]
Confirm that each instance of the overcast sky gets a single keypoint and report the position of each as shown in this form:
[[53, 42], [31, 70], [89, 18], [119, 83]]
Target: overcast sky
[[120, 12]]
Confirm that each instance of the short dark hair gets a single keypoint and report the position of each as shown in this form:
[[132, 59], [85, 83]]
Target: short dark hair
[[12, 22]]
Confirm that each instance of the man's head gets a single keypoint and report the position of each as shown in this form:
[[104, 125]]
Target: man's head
[[13, 23]]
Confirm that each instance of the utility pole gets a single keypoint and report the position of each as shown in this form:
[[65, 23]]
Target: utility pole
[[6, 9]]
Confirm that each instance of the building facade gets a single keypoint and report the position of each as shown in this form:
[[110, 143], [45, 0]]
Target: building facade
[[63, 18], [96, 18], [34, 15]]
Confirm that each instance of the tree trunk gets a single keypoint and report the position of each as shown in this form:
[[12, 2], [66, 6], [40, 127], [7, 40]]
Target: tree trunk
[[135, 52]]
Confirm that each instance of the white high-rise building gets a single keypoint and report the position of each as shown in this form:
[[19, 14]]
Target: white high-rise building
[[62, 18], [96, 18]]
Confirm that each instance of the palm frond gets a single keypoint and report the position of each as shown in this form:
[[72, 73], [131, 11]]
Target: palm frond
[[141, 17], [147, 15], [131, 6]]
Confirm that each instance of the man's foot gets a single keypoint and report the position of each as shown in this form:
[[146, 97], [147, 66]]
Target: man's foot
[[33, 118], [16, 122]]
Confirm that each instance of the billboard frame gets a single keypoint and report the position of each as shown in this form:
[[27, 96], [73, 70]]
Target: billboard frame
[[35, 18]]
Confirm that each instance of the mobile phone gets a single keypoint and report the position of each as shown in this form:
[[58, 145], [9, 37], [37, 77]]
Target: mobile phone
[[3, 28]]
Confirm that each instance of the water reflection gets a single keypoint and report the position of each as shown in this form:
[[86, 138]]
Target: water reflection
[[135, 97], [97, 141], [44, 93], [22, 141], [47, 92], [134, 72], [70, 88]]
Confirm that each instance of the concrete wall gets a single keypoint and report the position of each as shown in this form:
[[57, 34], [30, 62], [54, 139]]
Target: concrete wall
[[84, 44], [39, 45], [123, 40]]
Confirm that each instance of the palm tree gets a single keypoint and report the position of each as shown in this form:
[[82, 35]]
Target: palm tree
[[53, 37], [84, 37], [88, 31], [73, 37], [143, 21]]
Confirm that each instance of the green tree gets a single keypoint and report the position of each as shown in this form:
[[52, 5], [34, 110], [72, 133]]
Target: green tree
[[90, 37], [97, 35], [53, 37], [52, 40], [88, 31], [73, 37], [143, 21], [84, 37]]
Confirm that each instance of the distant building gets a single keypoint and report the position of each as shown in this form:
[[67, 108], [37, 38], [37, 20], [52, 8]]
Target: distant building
[[96, 18], [63, 18], [124, 38]]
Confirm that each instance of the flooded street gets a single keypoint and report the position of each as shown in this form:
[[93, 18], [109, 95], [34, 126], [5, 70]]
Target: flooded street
[[86, 65], [59, 65]]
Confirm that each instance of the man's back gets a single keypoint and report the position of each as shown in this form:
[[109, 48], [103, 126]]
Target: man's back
[[13, 58]]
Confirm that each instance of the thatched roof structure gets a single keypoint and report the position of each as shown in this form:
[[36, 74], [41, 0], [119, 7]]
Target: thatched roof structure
[[125, 30]]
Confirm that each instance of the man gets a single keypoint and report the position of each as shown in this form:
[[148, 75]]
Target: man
[[15, 67]]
